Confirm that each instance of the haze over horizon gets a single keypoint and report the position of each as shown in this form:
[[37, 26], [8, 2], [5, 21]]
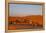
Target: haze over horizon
[[24, 10]]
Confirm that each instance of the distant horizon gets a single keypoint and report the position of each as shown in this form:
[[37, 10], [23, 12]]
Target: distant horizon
[[25, 16]]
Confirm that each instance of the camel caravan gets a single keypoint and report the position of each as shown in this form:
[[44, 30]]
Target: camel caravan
[[20, 21], [23, 21]]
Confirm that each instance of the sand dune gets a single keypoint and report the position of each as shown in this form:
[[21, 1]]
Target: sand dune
[[35, 19]]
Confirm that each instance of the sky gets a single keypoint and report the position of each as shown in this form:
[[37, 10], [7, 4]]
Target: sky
[[24, 10]]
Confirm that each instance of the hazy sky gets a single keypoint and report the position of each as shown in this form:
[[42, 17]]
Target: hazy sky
[[24, 9]]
